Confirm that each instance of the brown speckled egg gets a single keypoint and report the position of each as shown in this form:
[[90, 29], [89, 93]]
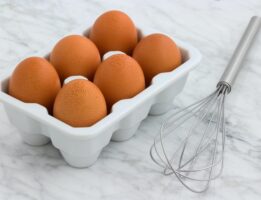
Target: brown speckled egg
[[79, 103], [35, 81], [157, 53], [75, 55], [114, 31], [119, 77]]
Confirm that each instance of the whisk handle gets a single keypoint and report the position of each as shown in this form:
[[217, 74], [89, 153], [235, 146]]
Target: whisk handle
[[240, 52]]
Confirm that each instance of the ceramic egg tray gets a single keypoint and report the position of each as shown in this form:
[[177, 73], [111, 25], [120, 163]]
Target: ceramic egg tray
[[81, 147]]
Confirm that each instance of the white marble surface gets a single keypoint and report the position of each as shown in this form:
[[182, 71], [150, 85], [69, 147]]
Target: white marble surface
[[124, 170]]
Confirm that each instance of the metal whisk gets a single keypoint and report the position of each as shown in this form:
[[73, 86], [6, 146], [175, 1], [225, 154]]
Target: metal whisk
[[191, 142]]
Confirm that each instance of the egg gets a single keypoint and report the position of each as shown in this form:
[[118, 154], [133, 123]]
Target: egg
[[119, 77], [35, 80], [157, 53], [114, 31], [79, 103], [75, 55]]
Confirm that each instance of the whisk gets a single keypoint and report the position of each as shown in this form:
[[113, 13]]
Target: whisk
[[191, 141]]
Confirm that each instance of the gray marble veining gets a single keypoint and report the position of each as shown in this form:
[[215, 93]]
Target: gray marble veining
[[124, 170]]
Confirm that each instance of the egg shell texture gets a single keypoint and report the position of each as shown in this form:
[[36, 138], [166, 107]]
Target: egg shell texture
[[35, 81], [80, 103], [114, 31], [75, 55], [119, 77], [157, 53]]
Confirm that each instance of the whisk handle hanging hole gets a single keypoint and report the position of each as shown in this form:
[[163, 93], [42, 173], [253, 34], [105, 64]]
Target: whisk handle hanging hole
[[240, 52]]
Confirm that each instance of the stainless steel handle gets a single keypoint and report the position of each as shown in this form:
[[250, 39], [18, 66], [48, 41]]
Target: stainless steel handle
[[234, 65]]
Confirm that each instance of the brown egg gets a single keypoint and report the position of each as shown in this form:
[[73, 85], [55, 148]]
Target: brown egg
[[114, 31], [75, 55], [80, 103], [157, 53], [119, 77], [35, 81]]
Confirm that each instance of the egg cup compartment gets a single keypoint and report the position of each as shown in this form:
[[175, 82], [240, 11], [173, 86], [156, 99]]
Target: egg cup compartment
[[131, 121], [30, 129], [165, 98], [125, 133], [81, 147]]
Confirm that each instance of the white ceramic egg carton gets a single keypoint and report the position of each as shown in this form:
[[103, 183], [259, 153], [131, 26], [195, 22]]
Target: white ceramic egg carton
[[81, 147]]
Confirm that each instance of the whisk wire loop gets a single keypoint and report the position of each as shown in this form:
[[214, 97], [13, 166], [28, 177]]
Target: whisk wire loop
[[209, 112]]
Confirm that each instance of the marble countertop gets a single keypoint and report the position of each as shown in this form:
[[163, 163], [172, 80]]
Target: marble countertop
[[124, 170]]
